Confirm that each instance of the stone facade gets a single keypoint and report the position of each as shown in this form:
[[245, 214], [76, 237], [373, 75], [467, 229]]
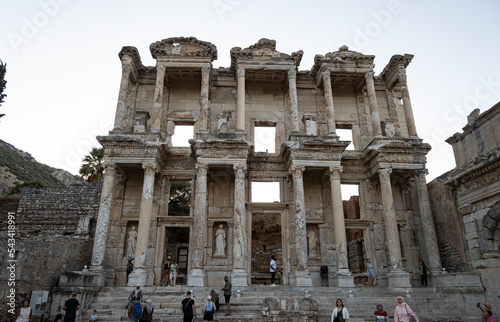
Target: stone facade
[[226, 106], [471, 193]]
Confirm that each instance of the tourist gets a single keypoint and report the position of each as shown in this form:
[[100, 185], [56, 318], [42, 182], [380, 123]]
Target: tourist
[[215, 299], [137, 293], [147, 312], [134, 310], [70, 306], [59, 318], [487, 315], [24, 313], [370, 272], [188, 308], [323, 272], [209, 309], [380, 314], [166, 272], [227, 294], [173, 272], [402, 312], [340, 313], [272, 269], [130, 267], [93, 317], [423, 272]]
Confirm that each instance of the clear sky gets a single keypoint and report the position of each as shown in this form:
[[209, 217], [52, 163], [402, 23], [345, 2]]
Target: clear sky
[[63, 69]]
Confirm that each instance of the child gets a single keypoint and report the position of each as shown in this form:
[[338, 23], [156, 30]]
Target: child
[[93, 317]]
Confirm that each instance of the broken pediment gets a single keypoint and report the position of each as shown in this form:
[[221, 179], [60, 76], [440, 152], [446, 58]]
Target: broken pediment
[[183, 47]]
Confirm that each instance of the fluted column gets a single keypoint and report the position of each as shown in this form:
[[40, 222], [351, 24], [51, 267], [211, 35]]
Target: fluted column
[[330, 111], [204, 103], [372, 102], [240, 111], [121, 108], [101, 232], [294, 106], [410, 121], [338, 218], [158, 99], [391, 224], [239, 274], [140, 275], [196, 275], [302, 274], [431, 245]]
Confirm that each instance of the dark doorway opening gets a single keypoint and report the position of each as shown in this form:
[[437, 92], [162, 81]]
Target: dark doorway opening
[[266, 241], [177, 247]]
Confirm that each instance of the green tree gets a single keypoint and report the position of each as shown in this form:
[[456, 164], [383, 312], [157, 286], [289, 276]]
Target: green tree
[[180, 198], [92, 168], [3, 83], [30, 184]]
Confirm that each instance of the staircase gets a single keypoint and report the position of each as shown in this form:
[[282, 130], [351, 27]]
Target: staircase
[[429, 304]]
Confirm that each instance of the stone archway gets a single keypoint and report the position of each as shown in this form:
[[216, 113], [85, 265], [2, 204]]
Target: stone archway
[[489, 227]]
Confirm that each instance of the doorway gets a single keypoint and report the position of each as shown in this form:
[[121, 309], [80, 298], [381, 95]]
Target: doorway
[[266, 241], [177, 247]]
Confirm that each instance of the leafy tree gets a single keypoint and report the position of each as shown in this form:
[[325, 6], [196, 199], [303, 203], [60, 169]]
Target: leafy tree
[[180, 198], [3, 83], [92, 168], [30, 184]]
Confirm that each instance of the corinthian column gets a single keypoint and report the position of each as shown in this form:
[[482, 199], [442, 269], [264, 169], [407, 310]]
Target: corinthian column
[[158, 99], [372, 102], [196, 275], [101, 231], [410, 121], [240, 111], [430, 238], [303, 277], [204, 103], [121, 108], [397, 277], [140, 276], [330, 112], [294, 106], [239, 275]]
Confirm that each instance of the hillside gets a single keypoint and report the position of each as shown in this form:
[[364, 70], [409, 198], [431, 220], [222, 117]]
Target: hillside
[[17, 166]]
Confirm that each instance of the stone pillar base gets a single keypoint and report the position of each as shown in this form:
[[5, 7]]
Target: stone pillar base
[[345, 278], [303, 278], [196, 277], [141, 277], [100, 274], [239, 277], [399, 279]]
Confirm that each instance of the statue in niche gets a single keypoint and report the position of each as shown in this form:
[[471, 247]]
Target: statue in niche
[[220, 241], [131, 242], [311, 237]]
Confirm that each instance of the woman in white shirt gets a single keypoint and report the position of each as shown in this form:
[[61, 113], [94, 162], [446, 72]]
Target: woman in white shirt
[[340, 313]]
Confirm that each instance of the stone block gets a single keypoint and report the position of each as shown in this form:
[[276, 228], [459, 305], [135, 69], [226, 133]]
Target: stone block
[[470, 227]]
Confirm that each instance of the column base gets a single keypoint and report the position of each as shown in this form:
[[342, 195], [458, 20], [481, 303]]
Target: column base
[[239, 277], [141, 277], [345, 278], [399, 279], [303, 278], [196, 277]]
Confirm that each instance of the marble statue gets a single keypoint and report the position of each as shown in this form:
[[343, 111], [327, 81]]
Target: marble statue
[[220, 241]]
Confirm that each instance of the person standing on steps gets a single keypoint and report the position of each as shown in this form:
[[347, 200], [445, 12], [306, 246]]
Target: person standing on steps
[[209, 309], [340, 313], [227, 294], [380, 315], [134, 310], [423, 272], [323, 272], [487, 315], [166, 272], [24, 313], [370, 272], [188, 308], [173, 272], [402, 312], [137, 293], [70, 306], [272, 269]]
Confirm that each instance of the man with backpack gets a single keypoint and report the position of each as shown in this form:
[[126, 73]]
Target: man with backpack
[[188, 308], [134, 310]]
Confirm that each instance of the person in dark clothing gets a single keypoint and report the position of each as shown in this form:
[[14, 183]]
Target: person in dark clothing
[[70, 306], [188, 308], [323, 271], [423, 272]]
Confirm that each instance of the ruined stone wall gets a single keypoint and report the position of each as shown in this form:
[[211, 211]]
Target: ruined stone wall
[[53, 234]]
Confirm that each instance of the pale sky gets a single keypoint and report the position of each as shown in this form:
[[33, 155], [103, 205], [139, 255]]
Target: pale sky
[[63, 69]]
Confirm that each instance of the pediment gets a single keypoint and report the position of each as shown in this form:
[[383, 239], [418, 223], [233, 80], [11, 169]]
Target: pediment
[[183, 47]]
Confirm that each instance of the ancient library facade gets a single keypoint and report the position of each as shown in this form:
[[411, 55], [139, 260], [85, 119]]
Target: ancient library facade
[[263, 122]]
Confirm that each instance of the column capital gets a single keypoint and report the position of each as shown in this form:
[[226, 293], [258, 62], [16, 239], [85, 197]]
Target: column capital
[[325, 73], [109, 168], [292, 73], [297, 170], [240, 72], [420, 175], [126, 69], [205, 69], [335, 171], [385, 174], [149, 169], [202, 168], [369, 75], [240, 170]]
